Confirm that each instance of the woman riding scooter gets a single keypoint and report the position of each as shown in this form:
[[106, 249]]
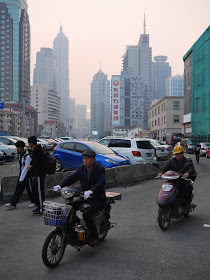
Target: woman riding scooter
[[180, 162]]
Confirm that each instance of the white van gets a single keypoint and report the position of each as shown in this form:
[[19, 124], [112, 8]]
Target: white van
[[139, 151]]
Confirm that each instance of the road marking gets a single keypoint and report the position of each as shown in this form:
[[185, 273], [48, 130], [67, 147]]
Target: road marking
[[206, 225]]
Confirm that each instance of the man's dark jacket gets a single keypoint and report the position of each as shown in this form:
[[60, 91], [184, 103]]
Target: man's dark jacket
[[95, 183], [176, 165], [37, 159]]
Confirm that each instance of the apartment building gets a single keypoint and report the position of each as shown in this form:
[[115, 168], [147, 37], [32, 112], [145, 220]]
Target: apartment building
[[165, 116]]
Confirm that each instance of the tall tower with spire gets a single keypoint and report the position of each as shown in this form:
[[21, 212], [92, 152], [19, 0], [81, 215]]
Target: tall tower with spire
[[61, 51]]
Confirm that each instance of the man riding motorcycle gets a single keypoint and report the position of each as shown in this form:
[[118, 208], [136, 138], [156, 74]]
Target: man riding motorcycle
[[180, 162], [92, 179]]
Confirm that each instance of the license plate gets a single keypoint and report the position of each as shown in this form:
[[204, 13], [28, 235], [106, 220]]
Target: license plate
[[162, 150], [149, 155]]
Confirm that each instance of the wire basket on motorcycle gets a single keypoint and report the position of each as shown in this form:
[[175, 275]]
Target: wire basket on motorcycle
[[55, 214]]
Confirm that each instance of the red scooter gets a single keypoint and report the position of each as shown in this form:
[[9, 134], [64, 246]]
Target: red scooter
[[170, 200]]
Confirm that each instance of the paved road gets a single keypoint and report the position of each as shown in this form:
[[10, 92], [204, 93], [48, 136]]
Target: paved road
[[137, 249]]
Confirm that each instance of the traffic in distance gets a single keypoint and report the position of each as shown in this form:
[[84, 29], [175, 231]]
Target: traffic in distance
[[111, 151]]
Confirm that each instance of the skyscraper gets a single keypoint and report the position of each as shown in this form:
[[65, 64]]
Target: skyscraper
[[134, 86], [61, 51], [45, 69], [161, 73], [15, 51], [100, 104]]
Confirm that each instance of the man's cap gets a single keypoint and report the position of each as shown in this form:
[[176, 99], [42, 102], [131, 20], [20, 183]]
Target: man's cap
[[89, 153], [20, 143]]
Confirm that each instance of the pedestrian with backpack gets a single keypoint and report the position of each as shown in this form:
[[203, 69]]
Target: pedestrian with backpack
[[197, 152], [24, 179], [38, 174]]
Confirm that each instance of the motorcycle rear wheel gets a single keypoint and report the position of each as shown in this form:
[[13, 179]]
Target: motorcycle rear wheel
[[164, 218], [104, 221], [53, 248]]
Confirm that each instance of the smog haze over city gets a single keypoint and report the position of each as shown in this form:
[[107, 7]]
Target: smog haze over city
[[99, 30]]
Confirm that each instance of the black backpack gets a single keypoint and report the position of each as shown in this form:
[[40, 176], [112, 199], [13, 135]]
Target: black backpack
[[48, 163]]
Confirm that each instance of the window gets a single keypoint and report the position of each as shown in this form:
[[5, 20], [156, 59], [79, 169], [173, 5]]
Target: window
[[68, 146], [176, 118], [80, 148], [144, 145], [176, 105]]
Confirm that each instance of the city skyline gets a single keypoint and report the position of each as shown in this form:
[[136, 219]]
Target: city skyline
[[99, 33]]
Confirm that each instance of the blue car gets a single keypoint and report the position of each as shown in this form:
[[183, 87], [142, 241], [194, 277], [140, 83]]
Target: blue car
[[68, 154]]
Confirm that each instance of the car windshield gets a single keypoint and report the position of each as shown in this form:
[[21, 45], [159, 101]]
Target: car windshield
[[100, 149], [193, 142], [207, 145]]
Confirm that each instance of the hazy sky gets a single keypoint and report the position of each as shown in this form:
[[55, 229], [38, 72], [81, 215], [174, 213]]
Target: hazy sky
[[99, 30]]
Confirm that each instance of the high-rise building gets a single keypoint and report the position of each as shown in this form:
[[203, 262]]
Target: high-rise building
[[161, 72], [81, 125], [100, 105], [61, 51], [134, 86], [15, 51], [175, 85], [45, 68]]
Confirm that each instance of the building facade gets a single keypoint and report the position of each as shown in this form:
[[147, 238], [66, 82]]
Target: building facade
[[61, 51], [175, 85], [81, 121], [161, 72], [166, 116], [197, 86], [100, 105], [46, 102], [130, 101], [15, 51], [11, 120]]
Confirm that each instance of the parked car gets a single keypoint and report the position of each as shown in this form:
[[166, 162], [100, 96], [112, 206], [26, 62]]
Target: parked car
[[45, 144], [9, 151], [68, 154], [188, 145], [204, 148], [138, 150], [162, 151], [2, 157], [7, 140]]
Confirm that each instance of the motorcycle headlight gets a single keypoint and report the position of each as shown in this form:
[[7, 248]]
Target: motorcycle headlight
[[167, 187], [67, 194], [110, 161]]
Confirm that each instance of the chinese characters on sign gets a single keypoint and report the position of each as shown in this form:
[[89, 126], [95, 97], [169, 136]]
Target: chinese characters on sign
[[116, 100]]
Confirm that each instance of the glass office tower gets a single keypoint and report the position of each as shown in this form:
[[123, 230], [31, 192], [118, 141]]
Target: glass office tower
[[15, 51]]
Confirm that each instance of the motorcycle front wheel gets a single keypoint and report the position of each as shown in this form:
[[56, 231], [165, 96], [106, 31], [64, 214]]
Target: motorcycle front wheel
[[164, 215], [53, 248]]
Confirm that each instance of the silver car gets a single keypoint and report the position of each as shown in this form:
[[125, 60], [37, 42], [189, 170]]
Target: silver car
[[204, 147], [9, 151]]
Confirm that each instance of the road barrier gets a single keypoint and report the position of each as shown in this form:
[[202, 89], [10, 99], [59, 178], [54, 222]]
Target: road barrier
[[115, 177]]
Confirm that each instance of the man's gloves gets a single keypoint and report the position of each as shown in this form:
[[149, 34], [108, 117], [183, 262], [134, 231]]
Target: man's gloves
[[57, 188], [87, 194]]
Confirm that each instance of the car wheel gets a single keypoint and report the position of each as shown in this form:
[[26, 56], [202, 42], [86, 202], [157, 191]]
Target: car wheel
[[58, 165]]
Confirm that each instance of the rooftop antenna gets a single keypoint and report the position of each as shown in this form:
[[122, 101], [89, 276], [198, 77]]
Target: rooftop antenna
[[144, 24]]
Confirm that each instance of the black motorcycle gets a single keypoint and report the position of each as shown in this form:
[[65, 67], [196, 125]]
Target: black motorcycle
[[71, 228]]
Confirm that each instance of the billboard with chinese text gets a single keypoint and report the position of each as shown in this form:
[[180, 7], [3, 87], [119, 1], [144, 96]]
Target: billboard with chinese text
[[115, 100]]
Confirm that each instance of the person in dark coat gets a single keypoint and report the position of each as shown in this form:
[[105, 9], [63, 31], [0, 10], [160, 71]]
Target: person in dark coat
[[24, 181], [92, 179], [197, 152], [38, 175], [177, 164]]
